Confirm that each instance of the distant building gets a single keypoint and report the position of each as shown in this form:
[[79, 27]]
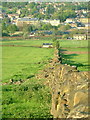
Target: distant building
[[84, 11], [73, 25], [47, 45], [19, 11], [84, 20], [13, 16], [52, 22], [22, 21], [84, 28], [1, 16], [70, 20], [80, 36]]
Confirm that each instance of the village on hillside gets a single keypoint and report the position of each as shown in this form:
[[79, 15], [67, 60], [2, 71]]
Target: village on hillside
[[70, 20], [44, 60]]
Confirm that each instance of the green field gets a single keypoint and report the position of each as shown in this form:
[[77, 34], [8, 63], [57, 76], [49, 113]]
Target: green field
[[78, 53], [23, 62], [31, 99], [25, 43], [74, 43]]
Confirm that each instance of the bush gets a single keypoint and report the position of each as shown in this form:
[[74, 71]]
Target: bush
[[5, 34]]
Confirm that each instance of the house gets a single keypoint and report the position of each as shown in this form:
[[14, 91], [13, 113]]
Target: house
[[13, 16], [82, 28], [18, 12], [84, 11], [73, 24], [52, 22], [78, 11], [1, 16], [70, 20], [31, 21], [85, 20], [80, 36], [47, 45]]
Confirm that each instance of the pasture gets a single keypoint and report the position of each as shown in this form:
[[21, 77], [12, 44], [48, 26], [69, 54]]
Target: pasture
[[75, 52], [21, 61], [31, 99]]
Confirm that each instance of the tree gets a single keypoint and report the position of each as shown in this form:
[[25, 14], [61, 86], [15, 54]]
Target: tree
[[47, 16], [12, 28], [3, 26], [26, 30], [6, 20], [55, 42], [76, 31], [25, 35], [4, 30], [50, 9], [47, 26], [34, 11], [24, 12], [32, 5], [54, 39], [64, 27], [38, 15], [65, 36]]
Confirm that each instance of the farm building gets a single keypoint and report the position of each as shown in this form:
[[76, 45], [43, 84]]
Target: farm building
[[80, 36], [47, 45]]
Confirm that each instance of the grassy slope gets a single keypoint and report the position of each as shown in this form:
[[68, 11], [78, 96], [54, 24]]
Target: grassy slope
[[79, 60], [31, 99], [74, 43], [28, 42], [23, 61]]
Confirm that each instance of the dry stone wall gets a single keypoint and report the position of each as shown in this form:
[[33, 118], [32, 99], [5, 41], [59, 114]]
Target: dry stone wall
[[69, 89]]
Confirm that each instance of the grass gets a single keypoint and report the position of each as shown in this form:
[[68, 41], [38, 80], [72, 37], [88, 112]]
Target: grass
[[28, 42], [78, 49], [32, 99], [77, 59], [23, 61], [73, 43]]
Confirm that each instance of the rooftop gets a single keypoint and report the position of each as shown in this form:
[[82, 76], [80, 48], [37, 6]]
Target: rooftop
[[27, 19], [47, 43]]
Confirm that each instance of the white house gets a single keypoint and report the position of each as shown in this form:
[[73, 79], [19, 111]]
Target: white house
[[52, 22], [80, 36], [70, 20], [47, 45]]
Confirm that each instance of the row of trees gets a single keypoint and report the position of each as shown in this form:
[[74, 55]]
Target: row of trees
[[8, 29]]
